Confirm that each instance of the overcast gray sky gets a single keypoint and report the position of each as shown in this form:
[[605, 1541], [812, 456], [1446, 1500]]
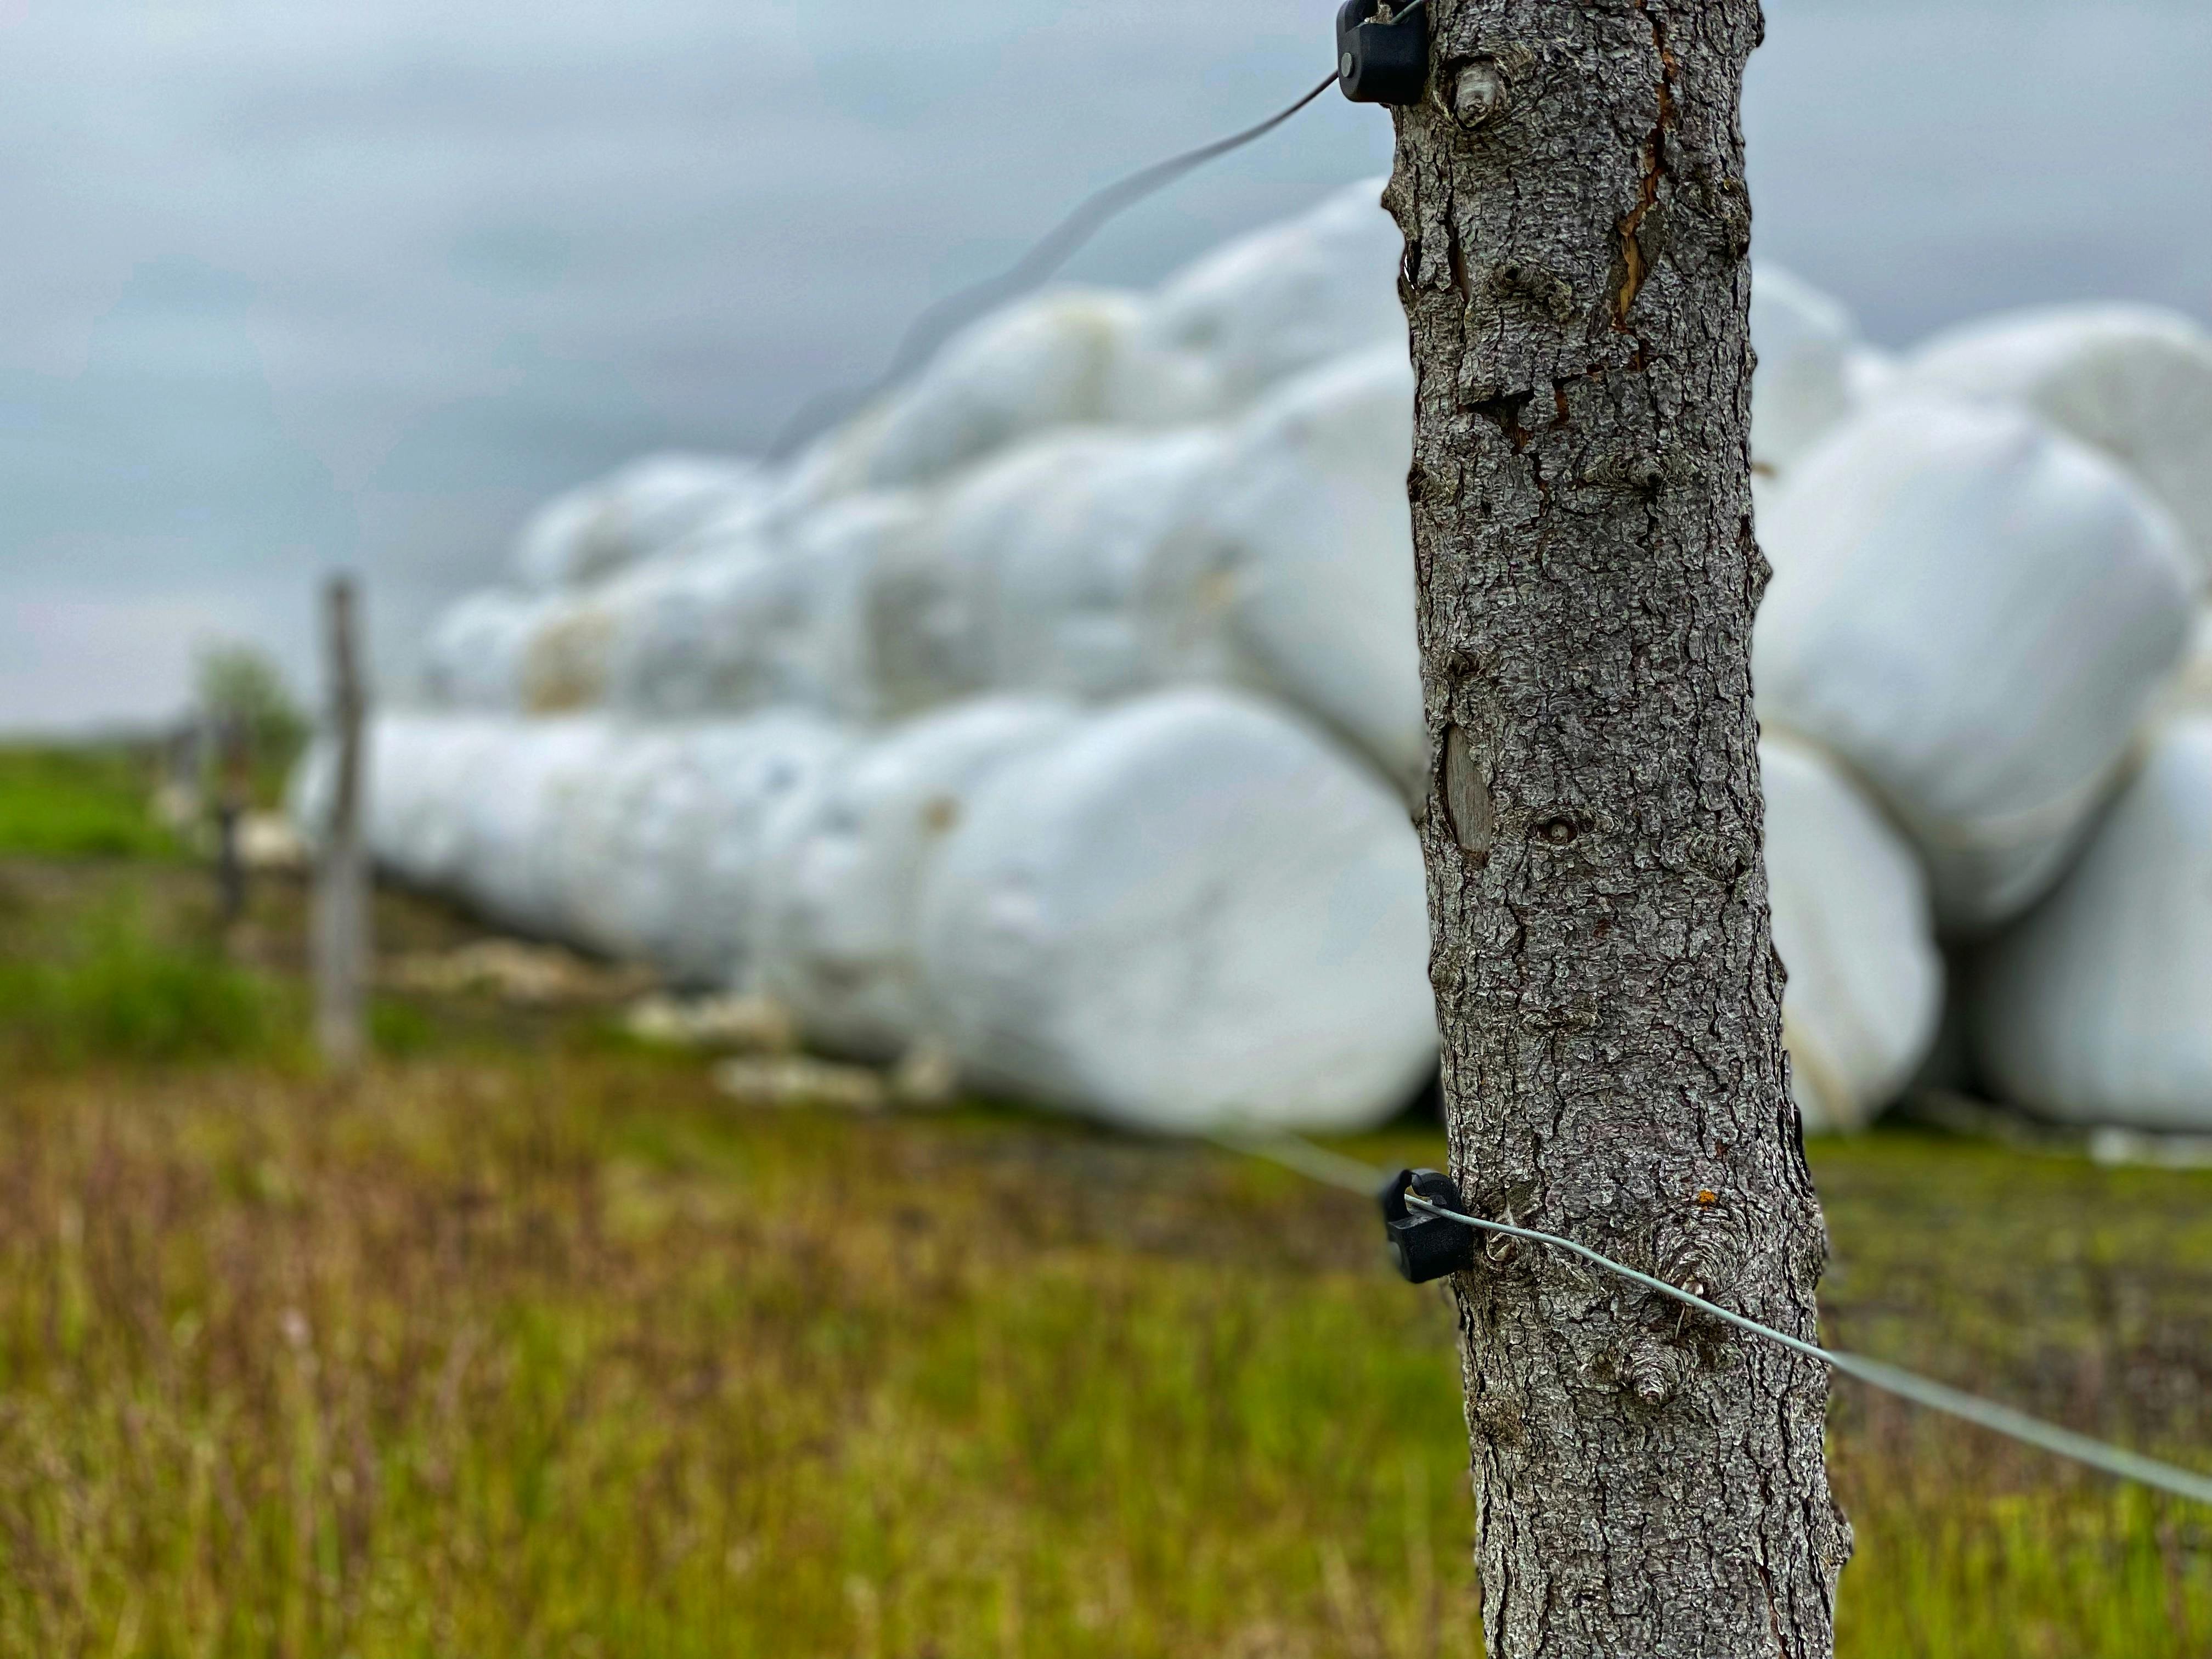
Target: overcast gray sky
[[290, 284]]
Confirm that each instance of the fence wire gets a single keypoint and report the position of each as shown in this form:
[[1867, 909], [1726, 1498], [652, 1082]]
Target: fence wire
[[1334, 1169]]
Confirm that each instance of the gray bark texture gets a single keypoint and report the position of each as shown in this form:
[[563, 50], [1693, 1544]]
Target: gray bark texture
[[1647, 1482]]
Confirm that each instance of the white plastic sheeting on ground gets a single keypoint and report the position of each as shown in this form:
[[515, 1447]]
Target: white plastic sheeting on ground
[[2133, 381], [845, 858], [2097, 1007], [1973, 610], [1854, 930], [1194, 912], [639, 510]]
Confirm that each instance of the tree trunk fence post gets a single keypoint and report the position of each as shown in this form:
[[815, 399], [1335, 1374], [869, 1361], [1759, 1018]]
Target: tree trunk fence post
[[1577, 282], [341, 913]]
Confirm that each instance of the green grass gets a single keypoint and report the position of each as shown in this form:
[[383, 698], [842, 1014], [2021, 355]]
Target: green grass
[[77, 803], [525, 1343], [552, 1356], [117, 994]]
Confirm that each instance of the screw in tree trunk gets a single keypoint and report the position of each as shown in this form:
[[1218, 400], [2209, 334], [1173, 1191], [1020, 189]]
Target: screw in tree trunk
[[1575, 275], [341, 904]]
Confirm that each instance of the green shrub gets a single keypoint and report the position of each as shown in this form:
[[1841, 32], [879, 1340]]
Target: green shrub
[[239, 688]]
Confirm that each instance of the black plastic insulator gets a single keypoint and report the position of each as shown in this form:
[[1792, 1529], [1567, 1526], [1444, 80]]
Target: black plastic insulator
[[1425, 1246], [1379, 63]]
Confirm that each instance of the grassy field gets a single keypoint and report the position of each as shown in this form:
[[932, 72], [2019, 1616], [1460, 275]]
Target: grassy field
[[78, 803], [528, 1344]]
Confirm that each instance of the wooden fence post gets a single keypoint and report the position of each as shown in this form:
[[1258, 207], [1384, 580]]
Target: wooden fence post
[[341, 920]]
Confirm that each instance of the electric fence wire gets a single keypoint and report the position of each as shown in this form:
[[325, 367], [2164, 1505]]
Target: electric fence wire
[[940, 322], [1334, 1169]]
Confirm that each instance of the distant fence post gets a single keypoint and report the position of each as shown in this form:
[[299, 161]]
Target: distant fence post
[[341, 906], [234, 795]]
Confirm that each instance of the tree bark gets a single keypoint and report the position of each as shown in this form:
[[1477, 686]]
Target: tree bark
[[1571, 194]]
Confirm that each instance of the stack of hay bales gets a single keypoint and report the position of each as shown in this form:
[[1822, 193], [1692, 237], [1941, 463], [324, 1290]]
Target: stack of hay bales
[[1061, 711]]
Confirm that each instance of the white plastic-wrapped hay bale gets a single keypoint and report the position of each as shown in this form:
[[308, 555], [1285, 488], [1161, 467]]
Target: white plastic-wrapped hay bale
[[1972, 610], [1806, 346], [1029, 572], [1284, 298], [2133, 381], [1035, 571], [1074, 575], [1066, 357], [567, 653], [473, 657], [511, 809], [2094, 1008], [738, 621], [844, 859], [659, 853], [2190, 690], [420, 769], [1299, 572], [639, 510], [1191, 913], [417, 772], [1853, 927]]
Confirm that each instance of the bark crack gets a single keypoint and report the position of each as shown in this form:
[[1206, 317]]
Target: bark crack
[[1635, 259]]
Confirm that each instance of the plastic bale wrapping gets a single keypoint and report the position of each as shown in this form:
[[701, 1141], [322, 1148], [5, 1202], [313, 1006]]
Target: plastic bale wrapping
[[420, 770], [641, 509], [1802, 385], [1854, 930], [660, 850], [2094, 1008], [474, 654], [567, 655], [1035, 572], [512, 810], [917, 621], [2190, 690], [2133, 381], [1192, 912], [1071, 584], [1300, 571], [845, 858], [735, 623], [1271, 304], [416, 772], [1067, 357], [1029, 572], [1973, 611]]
